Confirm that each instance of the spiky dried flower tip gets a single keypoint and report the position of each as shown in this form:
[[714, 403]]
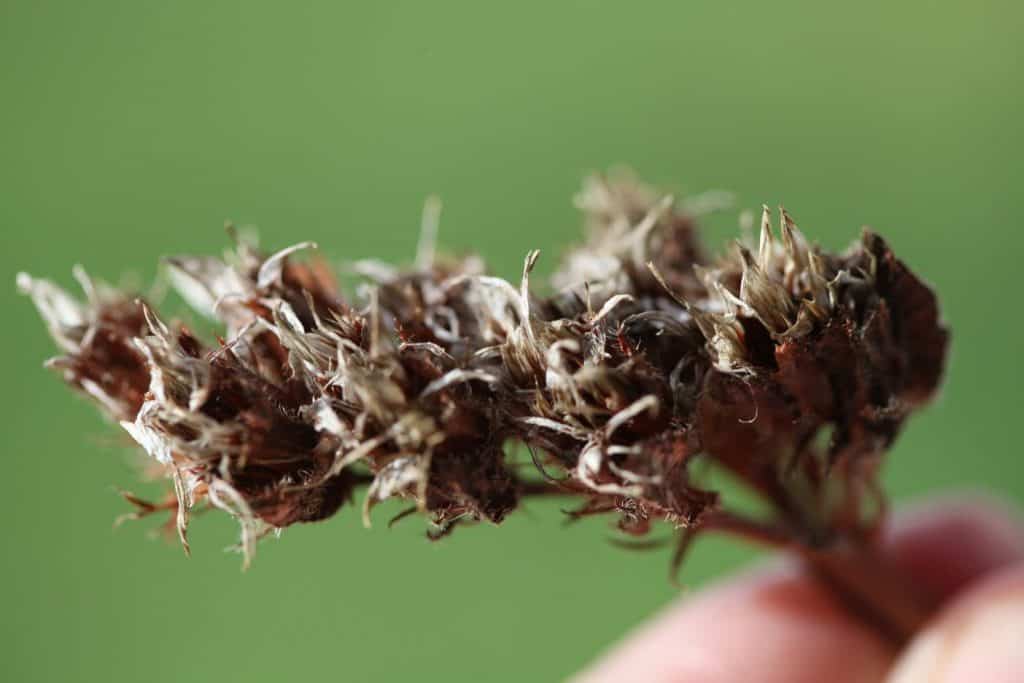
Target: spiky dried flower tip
[[649, 357]]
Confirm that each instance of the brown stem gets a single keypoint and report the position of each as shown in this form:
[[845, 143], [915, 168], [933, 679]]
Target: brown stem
[[872, 588], [868, 584], [752, 530]]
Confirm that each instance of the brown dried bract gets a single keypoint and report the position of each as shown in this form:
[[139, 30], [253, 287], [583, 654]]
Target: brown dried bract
[[791, 367]]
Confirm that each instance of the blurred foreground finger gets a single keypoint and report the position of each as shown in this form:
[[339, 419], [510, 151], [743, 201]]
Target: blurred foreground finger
[[949, 542], [780, 624], [978, 638], [771, 625]]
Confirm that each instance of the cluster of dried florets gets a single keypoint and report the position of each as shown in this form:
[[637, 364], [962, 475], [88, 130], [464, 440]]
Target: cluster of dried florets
[[789, 366]]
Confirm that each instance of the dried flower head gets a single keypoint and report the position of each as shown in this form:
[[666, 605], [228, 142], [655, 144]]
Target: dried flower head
[[792, 367]]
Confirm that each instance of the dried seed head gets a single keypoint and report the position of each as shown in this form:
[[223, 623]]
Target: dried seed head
[[648, 357]]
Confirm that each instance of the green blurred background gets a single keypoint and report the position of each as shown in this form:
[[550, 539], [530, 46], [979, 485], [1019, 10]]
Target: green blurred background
[[129, 130]]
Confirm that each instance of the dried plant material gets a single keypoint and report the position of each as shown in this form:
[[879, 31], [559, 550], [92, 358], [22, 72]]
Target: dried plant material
[[792, 367]]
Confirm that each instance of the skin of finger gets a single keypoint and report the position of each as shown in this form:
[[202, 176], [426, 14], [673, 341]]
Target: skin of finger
[[744, 629], [770, 625], [978, 637], [949, 542]]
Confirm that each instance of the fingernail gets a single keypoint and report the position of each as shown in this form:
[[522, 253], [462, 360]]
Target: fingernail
[[982, 641]]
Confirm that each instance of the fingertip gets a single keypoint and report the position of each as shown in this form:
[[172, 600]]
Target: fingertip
[[949, 542], [977, 637]]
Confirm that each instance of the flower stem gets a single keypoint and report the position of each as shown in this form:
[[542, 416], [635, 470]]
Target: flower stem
[[872, 588], [868, 584]]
